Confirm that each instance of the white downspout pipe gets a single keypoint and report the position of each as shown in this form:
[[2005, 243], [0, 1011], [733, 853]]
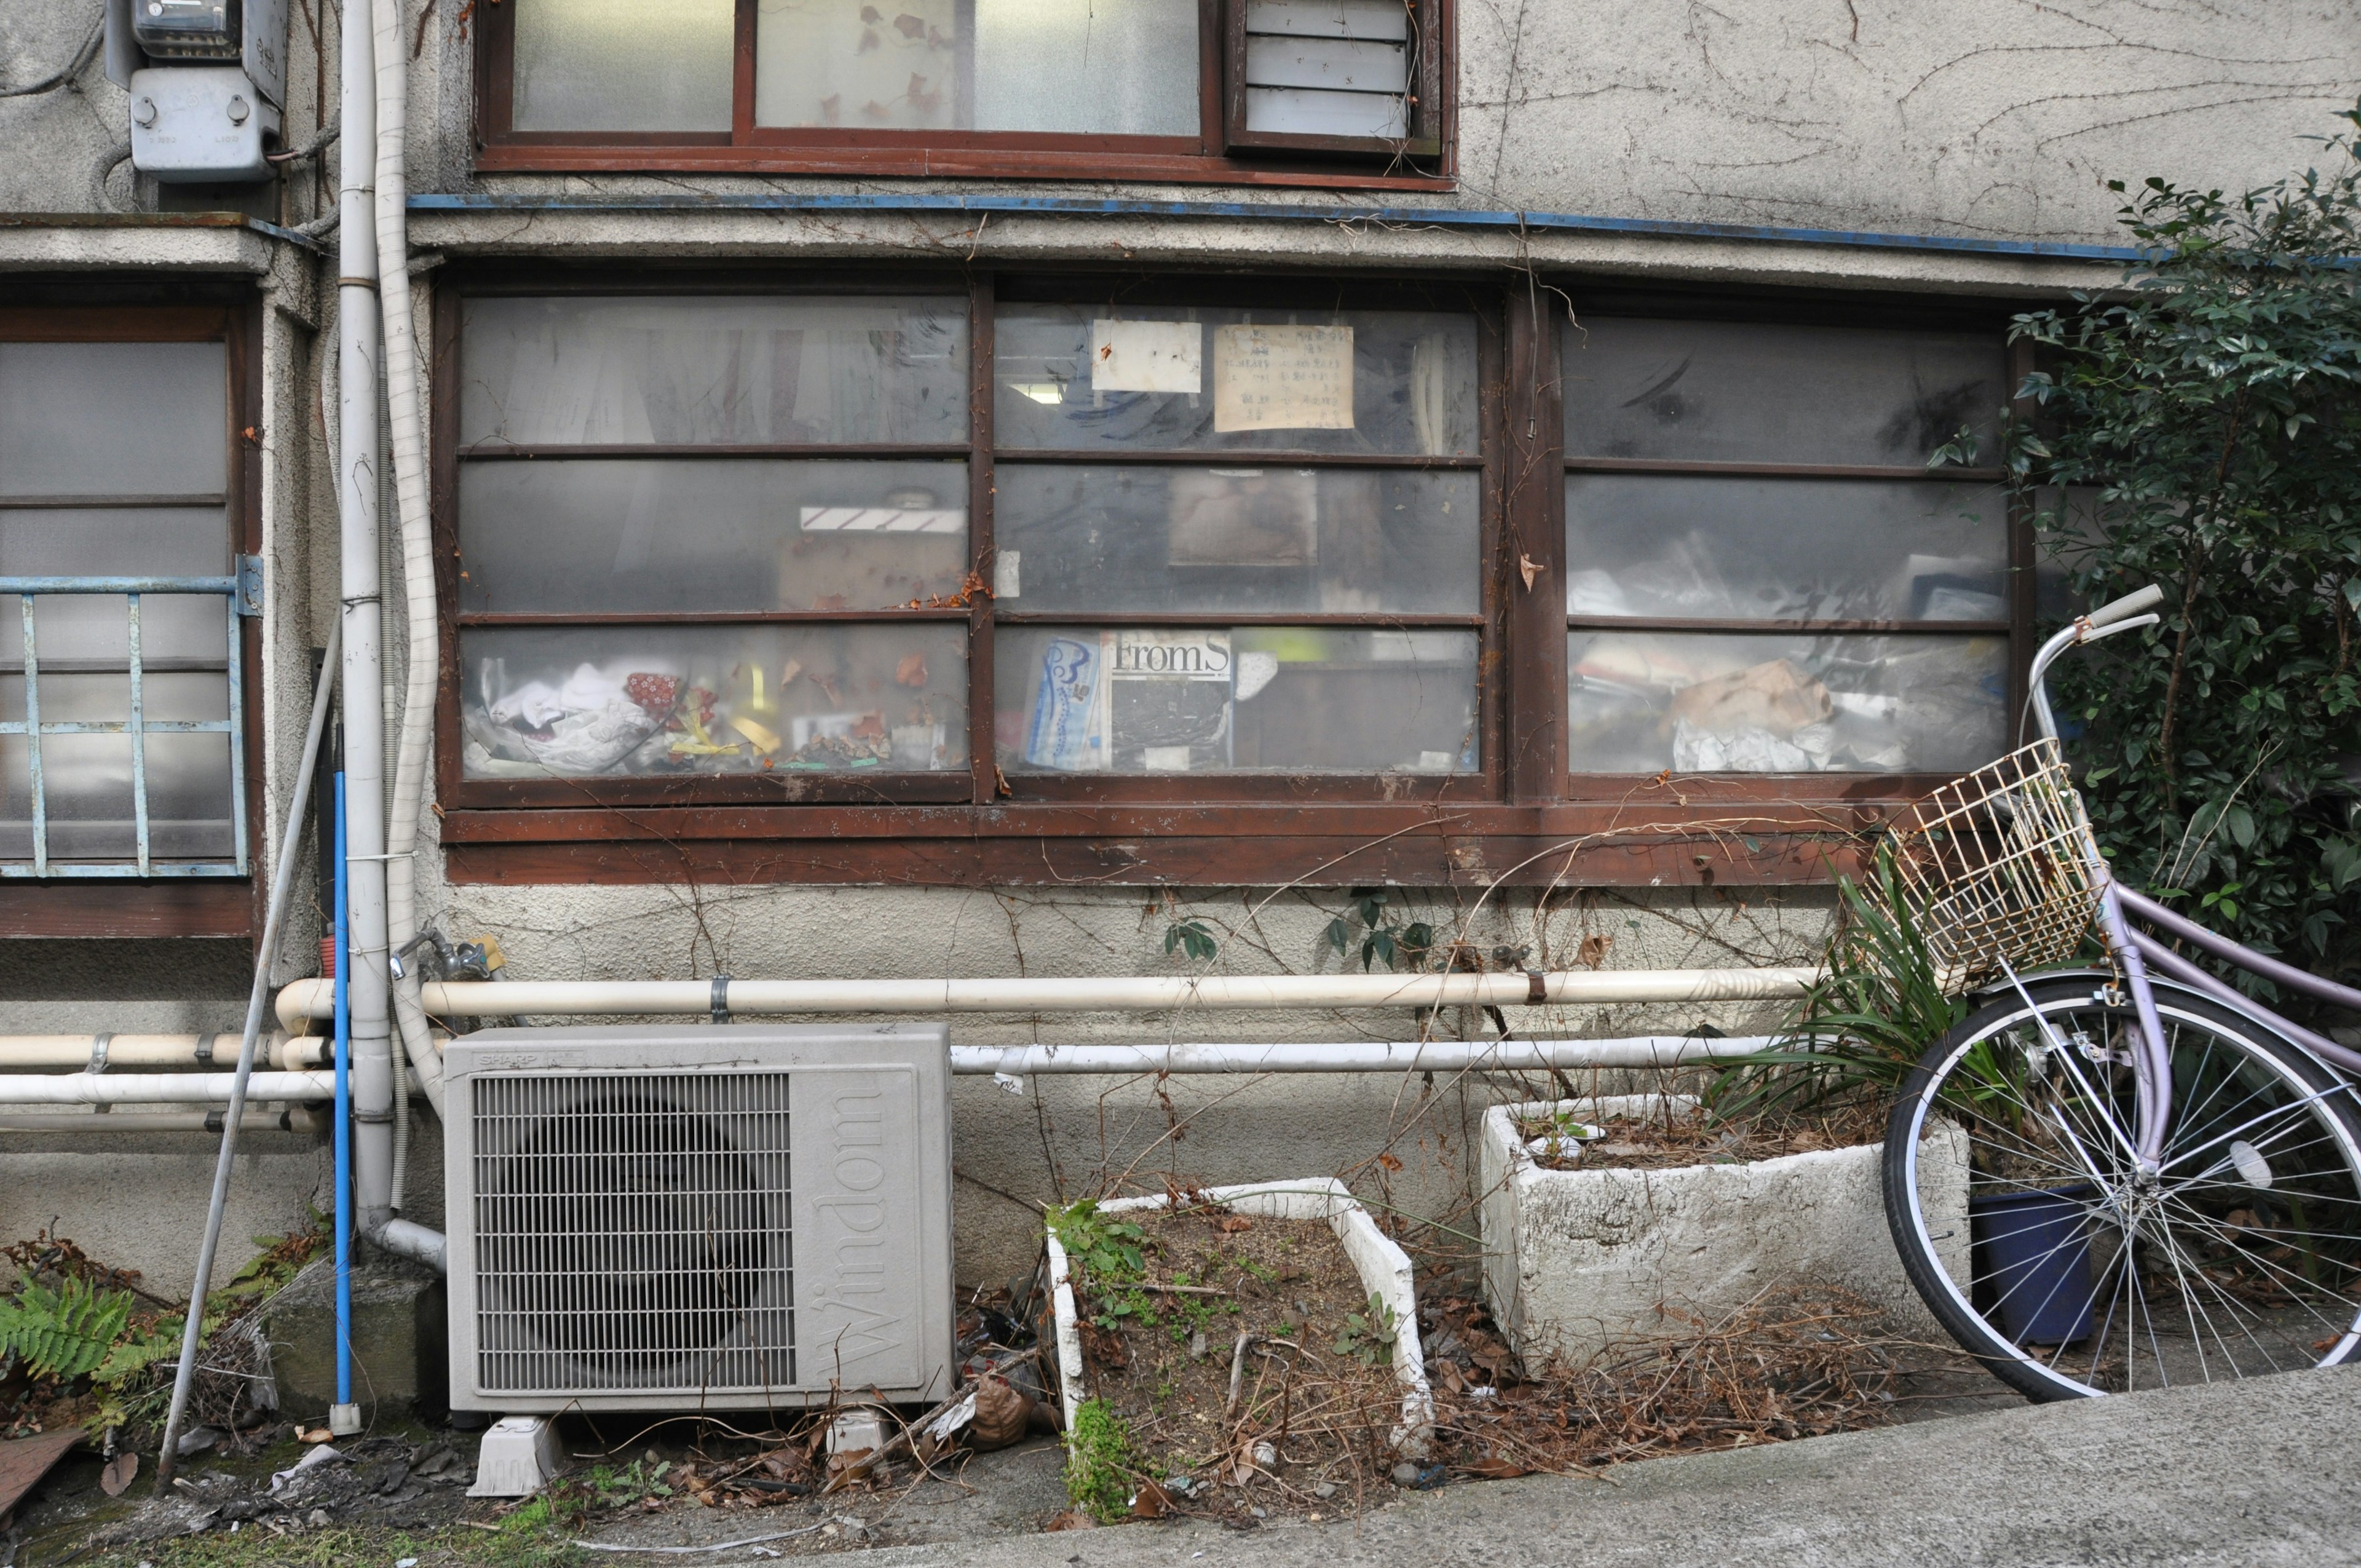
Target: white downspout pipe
[[363, 569], [306, 999], [406, 427]]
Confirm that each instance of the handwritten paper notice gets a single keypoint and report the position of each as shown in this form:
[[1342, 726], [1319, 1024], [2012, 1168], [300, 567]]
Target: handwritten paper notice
[[1282, 378], [1148, 356]]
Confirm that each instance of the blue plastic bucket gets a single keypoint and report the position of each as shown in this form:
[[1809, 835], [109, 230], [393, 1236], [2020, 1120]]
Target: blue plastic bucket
[[2032, 1252]]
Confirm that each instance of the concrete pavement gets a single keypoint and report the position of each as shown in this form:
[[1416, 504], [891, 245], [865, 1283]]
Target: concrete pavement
[[2264, 1472]]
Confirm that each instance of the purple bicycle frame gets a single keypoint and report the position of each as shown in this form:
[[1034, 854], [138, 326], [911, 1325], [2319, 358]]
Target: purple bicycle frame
[[2136, 952]]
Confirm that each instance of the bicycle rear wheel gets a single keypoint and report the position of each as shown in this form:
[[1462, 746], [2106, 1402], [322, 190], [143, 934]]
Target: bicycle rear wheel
[[2014, 1199]]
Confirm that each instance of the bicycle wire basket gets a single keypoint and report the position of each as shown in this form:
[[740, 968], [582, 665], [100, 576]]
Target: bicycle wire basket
[[1996, 866]]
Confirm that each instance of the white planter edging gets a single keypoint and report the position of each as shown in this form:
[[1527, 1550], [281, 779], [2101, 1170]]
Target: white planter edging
[[1578, 1260], [1385, 1271]]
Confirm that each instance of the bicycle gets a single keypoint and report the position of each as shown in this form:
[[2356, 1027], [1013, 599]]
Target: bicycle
[[2122, 1176]]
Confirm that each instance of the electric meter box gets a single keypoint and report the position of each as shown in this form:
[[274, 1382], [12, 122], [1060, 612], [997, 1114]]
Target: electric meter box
[[250, 34], [188, 30], [199, 125]]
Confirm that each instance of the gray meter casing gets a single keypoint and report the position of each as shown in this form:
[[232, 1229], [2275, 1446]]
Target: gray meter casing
[[207, 80]]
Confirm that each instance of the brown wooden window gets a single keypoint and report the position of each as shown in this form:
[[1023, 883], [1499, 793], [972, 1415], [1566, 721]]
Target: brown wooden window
[[1762, 575], [1041, 577], [121, 457], [1281, 92]]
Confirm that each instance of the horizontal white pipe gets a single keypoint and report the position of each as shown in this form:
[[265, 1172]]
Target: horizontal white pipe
[[297, 1119], [163, 1088], [313, 998], [77, 1053], [1429, 1056]]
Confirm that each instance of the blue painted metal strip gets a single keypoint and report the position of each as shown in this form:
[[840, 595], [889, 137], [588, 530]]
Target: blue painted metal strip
[[20, 870], [237, 741], [33, 741], [118, 586], [138, 732], [1289, 211]]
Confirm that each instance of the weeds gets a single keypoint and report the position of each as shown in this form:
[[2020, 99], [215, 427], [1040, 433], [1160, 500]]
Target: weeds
[[1877, 1008], [1101, 1463]]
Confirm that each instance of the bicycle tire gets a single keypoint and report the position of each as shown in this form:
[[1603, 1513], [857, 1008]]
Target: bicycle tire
[[2189, 1276]]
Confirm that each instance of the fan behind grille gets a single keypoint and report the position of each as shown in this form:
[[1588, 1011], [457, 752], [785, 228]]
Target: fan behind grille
[[633, 1233]]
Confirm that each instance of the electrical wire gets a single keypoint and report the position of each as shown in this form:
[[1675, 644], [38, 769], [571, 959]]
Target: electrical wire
[[64, 75]]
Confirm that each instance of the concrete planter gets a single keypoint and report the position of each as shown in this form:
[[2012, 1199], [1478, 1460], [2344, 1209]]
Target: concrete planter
[[1384, 1268], [1578, 1260]]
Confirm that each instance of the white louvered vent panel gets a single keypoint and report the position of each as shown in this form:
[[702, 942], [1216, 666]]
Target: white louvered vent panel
[[634, 1233], [1337, 68]]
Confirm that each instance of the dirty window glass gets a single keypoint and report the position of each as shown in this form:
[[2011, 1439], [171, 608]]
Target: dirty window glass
[[1235, 699], [592, 371], [1687, 547], [592, 534], [1754, 391], [1069, 66], [1085, 378], [144, 425], [623, 65], [681, 701], [1074, 539], [1784, 703], [113, 418]]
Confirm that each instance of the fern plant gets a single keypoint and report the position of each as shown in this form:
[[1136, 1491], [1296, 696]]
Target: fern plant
[[63, 1333]]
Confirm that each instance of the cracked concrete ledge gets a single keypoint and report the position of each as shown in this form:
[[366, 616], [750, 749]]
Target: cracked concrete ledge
[[2260, 1472], [1134, 242]]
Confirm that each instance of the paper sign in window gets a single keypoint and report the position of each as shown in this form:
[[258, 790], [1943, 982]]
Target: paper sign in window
[[1282, 378], [1148, 356]]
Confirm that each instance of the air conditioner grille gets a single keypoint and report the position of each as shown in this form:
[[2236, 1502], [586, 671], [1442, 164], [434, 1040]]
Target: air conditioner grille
[[632, 1232]]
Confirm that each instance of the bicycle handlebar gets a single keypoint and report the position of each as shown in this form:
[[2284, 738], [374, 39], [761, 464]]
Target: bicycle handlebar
[[2130, 604]]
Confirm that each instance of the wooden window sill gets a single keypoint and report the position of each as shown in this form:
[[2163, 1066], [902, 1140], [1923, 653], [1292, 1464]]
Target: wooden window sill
[[951, 162]]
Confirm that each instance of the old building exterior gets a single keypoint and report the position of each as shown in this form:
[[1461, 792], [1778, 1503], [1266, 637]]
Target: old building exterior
[[1002, 489]]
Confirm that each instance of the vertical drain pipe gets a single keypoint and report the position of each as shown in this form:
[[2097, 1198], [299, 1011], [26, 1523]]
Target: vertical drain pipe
[[343, 1417], [357, 480]]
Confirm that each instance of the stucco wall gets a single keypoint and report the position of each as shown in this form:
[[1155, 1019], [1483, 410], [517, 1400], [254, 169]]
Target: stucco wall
[[1999, 119]]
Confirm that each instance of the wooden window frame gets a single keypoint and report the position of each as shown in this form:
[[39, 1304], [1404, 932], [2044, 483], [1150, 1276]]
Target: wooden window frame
[[1429, 22], [1522, 819], [164, 907], [1217, 155]]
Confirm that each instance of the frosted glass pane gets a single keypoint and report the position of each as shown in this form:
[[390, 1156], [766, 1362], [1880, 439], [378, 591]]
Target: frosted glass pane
[[1685, 547], [1081, 67], [1077, 540], [1235, 699], [702, 534], [1783, 702], [624, 701], [86, 779], [613, 370], [623, 65], [1760, 392], [1087, 66], [110, 542], [80, 419]]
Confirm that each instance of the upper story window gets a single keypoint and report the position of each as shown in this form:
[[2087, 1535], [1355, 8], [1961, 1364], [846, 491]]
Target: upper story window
[[1299, 92], [122, 643]]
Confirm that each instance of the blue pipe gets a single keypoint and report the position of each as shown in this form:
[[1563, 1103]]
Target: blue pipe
[[343, 1113], [1079, 207]]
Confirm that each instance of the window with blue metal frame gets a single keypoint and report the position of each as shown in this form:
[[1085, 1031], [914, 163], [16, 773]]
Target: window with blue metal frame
[[121, 598]]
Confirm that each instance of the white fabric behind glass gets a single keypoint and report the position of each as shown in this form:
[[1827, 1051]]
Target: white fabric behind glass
[[622, 65], [1084, 67], [84, 419]]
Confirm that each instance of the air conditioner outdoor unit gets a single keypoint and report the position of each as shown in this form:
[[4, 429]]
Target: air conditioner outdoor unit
[[702, 1218]]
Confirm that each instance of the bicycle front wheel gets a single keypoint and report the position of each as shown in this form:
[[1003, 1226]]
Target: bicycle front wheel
[[2014, 1197]]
